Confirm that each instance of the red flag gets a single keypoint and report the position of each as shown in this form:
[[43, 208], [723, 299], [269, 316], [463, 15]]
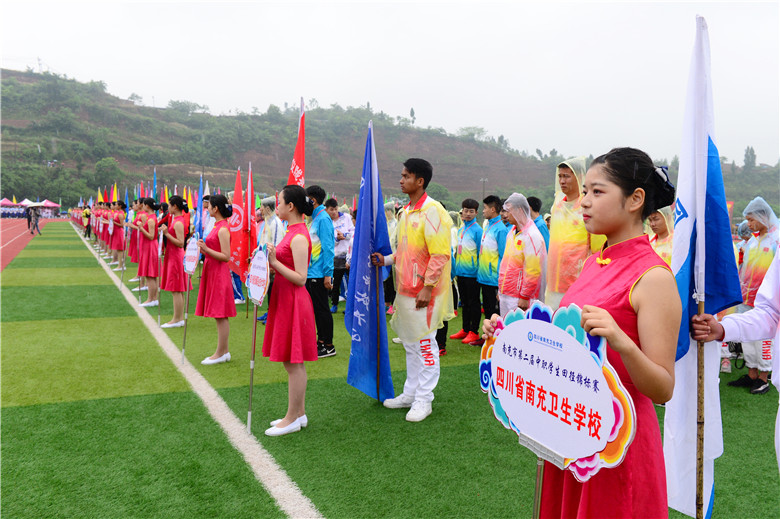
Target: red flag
[[251, 228], [141, 192], [354, 203], [238, 235], [105, 195], [297, 167]]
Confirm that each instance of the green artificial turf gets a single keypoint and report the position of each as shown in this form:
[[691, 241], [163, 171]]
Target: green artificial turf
[[55, 277], [52, 302], [52, 262], [144, 456], [359, 459], [76, 359], [43, 253]]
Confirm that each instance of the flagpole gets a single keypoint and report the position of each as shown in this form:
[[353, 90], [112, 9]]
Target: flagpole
[[700, 423], [538, 487], [378, 334], [186, 315], [251, 372]]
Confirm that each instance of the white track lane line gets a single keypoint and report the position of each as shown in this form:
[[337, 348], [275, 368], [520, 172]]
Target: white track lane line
[[275, 480]]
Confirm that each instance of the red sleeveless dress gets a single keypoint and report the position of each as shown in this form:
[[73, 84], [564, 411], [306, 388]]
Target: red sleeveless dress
[[174, 279], [118, 237], [215, 294], [637, 487], [149, 260], [290, 331], [132, 246]]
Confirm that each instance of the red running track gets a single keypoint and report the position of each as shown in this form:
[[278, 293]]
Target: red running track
[[14, 237]]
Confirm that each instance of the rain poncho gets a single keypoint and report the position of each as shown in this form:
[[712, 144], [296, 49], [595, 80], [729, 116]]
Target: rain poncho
[[743, 231], [570, 243], [392, 224], [663, 246], [423, 259], [522, 273], [760, 250]]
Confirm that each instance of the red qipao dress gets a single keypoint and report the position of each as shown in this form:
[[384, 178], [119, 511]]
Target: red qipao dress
[[148, 258], [215, 294], [290, 332], [118, 237], [174, 279], [132, 246], [637, 487]]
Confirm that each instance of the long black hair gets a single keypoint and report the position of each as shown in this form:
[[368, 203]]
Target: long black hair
[[296, 195], [631, 169], [180, 202], [150, 203], [221, 203]]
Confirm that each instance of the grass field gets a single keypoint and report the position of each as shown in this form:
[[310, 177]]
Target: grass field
[[97, 422]]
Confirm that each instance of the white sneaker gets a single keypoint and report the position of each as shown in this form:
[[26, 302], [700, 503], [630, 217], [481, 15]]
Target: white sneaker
[[150, 303], [117, 269], [140, 289], [239, 301], [113, 263], [219, 360], [419, 411], [341, 298], [397, 340], [134, 280], [399, 402], [177, 324]]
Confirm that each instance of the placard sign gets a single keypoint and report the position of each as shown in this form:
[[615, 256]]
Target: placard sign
[[159, 243], [550, 382], [257, 280], [191, 255], [111, 226]]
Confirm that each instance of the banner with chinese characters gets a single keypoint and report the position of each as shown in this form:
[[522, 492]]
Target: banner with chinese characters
[[550, 382]]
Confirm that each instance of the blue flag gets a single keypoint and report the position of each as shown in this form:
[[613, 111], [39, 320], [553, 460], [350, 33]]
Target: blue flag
[[365, 315], [127, 207], [706, 271], [154, 184], [198, 222]]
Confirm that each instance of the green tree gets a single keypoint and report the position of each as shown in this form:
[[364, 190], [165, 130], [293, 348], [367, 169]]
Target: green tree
[[750, 160], [411, 114], [107, 172]]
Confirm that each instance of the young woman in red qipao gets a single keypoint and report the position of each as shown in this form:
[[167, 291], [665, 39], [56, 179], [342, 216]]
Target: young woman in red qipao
[[117, 244], [174, 279], [628, 296], [148, 258], [215, 294], [290, 335]]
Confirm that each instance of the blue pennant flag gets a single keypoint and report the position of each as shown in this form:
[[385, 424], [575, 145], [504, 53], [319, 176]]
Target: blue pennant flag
[[706, 271], [198, 222], [154, 184], [81, 202], [127, 207], [365, 313]]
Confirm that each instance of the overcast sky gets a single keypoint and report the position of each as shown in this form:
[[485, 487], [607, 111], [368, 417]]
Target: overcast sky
[[578, 77]]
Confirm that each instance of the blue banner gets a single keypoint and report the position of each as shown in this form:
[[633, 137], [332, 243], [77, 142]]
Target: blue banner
[[365, 313]]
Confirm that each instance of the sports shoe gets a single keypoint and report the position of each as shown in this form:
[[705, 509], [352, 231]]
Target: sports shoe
[[134, 280], [419, 411], [442, 351], [390, 311], [725, 365], [478, 342], [140, 289], [743, 381], [458, 335], [399, 402], [470, 337], [324, 350], [239, 301], [334, 309], [397, 340], [759, 387]]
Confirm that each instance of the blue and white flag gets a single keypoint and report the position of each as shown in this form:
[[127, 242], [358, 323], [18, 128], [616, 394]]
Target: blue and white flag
[[365, 313], [704, 266], [198, 221], [154, 184], [127, 209], [81, 202]]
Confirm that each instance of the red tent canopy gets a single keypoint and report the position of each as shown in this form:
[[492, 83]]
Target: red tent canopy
[[49, 203], [7, 203]]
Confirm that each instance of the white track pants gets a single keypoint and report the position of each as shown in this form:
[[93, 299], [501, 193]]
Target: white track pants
[[422, 368]]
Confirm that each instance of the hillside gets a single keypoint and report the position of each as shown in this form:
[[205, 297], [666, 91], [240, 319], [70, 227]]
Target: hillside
[[47, 118], [79, 124]]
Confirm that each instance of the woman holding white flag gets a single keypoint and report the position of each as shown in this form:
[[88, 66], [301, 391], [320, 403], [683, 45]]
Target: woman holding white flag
[[619, 290], [174, 279]]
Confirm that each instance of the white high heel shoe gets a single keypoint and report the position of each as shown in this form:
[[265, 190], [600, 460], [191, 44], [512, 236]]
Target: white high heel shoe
[[304, 421], [281, 431]]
